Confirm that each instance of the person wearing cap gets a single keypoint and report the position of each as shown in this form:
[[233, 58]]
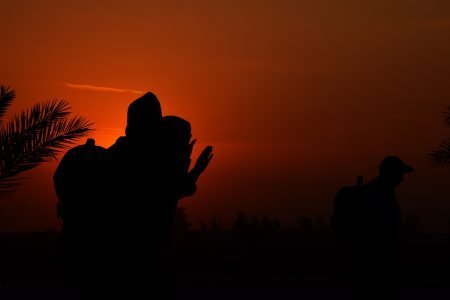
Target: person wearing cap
[[378, 221], [382, 212]]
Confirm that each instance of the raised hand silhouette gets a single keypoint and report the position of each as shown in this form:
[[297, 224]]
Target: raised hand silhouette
[[202, 162], [187, 160]]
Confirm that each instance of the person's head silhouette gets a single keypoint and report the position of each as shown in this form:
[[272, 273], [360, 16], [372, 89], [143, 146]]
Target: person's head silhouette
[[392, 170], [176, 135], [144, 116], [176, 130]]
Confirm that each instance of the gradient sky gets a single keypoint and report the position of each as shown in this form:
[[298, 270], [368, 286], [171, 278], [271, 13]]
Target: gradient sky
[[297, 97]]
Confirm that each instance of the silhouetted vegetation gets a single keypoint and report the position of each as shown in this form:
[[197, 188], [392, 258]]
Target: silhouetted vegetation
[[34, 136], [266, 226], [441, 155], [211, 264], [116, 242]]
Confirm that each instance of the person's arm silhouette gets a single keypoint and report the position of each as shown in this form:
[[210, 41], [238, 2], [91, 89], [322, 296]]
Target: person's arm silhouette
[[187, 156], [187, 186], [202, 163]]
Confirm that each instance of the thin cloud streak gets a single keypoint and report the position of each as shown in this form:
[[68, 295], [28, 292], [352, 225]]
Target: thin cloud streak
[[100, 88]]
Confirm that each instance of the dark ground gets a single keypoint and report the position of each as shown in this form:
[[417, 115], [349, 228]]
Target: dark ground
[[208, 265]]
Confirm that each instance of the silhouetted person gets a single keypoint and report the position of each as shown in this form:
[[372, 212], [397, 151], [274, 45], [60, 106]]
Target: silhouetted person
[[370, 217], [130, 195], [104, 197], [178, 180], [150, 174], [77, 180], [132, 176]]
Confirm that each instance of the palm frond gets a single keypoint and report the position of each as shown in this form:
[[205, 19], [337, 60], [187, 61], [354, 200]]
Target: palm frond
[[6, 98], [37, 135], [9, 185], [441, 155]]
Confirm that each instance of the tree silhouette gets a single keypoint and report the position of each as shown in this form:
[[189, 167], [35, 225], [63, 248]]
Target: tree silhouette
[[34, 136], [441, 155]]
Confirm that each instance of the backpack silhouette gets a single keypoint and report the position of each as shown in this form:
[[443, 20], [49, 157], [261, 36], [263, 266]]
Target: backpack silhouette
[[347, 210], [77, 182]]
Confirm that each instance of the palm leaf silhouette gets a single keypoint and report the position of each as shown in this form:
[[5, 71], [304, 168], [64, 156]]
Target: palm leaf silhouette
[[34, 136], [441, 155], [6, 98]]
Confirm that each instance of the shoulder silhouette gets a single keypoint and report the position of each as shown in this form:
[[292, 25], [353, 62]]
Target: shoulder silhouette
[[77, 180]]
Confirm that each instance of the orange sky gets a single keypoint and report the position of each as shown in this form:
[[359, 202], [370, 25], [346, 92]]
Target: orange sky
[[298, 97]]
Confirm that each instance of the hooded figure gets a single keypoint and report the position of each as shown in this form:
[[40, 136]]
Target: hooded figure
[[143, 118], [133, 181]]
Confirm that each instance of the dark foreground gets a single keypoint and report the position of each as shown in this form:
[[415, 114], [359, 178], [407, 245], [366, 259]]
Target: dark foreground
[[220, 265]]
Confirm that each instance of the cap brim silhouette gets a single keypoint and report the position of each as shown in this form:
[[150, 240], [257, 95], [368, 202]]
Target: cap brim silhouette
[[394, 165], [407, 169]]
